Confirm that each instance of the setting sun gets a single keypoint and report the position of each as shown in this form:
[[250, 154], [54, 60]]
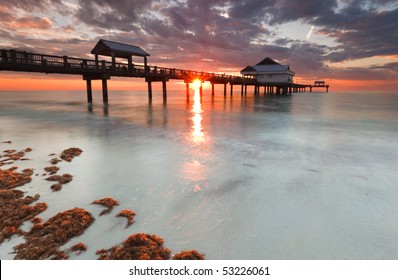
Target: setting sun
[[197, 83]]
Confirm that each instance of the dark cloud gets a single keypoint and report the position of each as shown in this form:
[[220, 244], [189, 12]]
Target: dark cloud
[[369, 34], [391, 68], [108, 14], [251, 11], [287, 10]]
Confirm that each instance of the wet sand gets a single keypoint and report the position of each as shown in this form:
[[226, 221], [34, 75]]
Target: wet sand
[[44, 240]]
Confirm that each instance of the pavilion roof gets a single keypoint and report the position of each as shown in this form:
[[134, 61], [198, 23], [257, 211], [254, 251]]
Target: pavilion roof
[[106, 47]]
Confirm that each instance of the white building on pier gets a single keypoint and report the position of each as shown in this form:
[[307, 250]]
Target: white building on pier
[[269, 71]]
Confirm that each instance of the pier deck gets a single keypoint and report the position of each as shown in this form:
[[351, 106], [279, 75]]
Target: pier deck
[[90, 69]]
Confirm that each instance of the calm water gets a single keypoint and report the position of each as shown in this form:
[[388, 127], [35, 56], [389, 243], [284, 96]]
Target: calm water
[[309, 176]]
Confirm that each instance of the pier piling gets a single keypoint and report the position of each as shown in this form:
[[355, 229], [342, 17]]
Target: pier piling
[[164, 91], [187, 91], [89, 92], [150, 91], [105, 90]]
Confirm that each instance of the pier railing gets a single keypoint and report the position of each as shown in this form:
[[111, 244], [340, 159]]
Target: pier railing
[[35, 62]]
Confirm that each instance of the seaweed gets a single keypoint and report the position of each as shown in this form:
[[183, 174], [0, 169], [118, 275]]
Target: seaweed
[[62, 179], [138, 246], [56, 187], [51, 169], [189, 255], [10, 179], [127, 214], [14, 155], [16, 209], [54, 160], [28, 171], [108, 202], [44, 240], [70, 153], [78, 248]]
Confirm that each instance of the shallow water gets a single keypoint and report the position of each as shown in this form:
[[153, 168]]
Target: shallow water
[[307, 176]]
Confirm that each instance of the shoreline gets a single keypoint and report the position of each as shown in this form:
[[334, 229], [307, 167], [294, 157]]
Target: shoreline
[[45, 239]]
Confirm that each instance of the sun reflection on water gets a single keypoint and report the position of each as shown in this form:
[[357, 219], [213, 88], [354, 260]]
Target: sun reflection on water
[[198, 135], [196, 169]]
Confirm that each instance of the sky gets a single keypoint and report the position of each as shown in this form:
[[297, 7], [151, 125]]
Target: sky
[[351, 44]]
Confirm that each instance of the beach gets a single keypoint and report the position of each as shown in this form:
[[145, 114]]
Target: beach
[[306, 176]]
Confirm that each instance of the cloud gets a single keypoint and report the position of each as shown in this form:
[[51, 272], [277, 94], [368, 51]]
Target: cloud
[[360, 32], [36, 5], [287, 10], [121, 15], [231, 33], [30, 5], [29, 22]]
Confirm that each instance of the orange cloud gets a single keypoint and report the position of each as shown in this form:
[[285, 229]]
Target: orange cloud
[[29, 22]]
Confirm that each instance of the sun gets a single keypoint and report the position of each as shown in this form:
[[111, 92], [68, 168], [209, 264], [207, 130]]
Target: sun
[[197, 83]]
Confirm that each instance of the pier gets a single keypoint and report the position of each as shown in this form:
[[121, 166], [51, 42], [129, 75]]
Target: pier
[[319, 84], [96, 69]]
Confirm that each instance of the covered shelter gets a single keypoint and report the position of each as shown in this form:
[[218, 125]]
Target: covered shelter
[[269, 71], [120, 50]]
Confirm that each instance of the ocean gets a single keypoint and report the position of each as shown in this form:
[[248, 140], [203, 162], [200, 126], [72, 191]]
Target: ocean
[[306, 176]]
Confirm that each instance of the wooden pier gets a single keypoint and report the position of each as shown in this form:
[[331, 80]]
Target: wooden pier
[[95, 69], [319, 84]]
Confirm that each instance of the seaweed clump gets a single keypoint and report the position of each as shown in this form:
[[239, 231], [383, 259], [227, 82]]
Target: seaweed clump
[[189, 255], [51, 169], [70, 153], [10, 179], [62, 179], [127, 214], [28, 171], [55, 160], [78, 248], [108, 202], [138, 246], [56, 187], [15, 210], [12, 155], [44, 240]]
